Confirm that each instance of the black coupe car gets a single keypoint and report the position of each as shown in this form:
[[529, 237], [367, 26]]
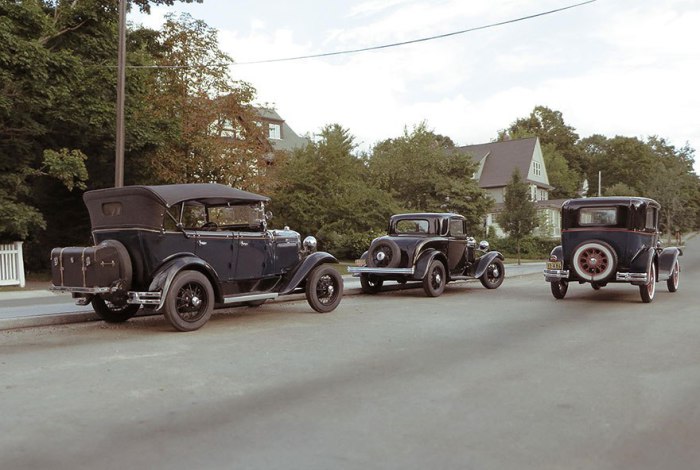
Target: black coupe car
[[430, 247], [184, 249], [612, 239]]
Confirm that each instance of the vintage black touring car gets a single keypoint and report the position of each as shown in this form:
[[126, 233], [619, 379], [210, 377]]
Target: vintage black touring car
[[612, 239], [430, 247], [187, 248]]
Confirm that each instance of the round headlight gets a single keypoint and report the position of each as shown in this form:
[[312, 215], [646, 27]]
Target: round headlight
[[310, 243], [484, 245]]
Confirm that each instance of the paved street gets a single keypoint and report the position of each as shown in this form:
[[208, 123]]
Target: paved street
[[505, 379]]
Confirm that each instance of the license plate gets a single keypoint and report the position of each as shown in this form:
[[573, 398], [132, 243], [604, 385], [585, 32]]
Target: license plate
[[360, 262], [554, 265]]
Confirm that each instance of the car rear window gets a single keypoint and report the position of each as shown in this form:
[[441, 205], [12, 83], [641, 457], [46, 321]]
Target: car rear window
[[597, 216], [412, 226]]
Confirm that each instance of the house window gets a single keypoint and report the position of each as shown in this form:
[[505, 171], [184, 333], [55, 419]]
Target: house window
[[537, 168], [275, 131]]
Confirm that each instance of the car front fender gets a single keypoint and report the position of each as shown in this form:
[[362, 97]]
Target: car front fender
[[667, 259], [296, 277], [164, 275], [424, 260], [484, 262]]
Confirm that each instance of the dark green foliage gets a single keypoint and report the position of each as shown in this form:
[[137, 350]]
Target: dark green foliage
[[422, 173], [533, 248], [519, 216], [323, 190]]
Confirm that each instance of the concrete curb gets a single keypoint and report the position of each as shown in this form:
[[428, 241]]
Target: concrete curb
[[81, 317]]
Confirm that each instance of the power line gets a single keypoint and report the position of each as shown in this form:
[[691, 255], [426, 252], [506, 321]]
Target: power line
[[374, 48]]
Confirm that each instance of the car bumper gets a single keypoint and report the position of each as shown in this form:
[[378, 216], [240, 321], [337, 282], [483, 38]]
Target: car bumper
[[553, 275], [632, 277], [356, 271]]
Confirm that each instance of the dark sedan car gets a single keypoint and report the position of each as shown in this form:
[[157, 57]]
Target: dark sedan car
[[430, 247], [612, 239], [187, 248]]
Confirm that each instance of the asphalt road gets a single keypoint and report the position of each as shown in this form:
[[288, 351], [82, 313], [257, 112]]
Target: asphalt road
[[505, 379]]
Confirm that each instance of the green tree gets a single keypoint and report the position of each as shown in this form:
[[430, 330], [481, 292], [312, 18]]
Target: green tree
[[324, 189], [563, 158], [423, 172], [519, 215], [620, 189]]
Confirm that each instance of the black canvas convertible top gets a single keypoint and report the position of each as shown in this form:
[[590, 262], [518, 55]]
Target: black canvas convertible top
[[144, 206]]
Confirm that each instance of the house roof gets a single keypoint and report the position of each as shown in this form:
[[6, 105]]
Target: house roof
[[290, 140], [501, 159]]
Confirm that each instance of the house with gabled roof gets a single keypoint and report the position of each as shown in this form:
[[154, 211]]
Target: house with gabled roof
[[496, 163], [279, 134]]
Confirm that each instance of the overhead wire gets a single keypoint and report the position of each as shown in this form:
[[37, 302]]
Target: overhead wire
[[374, 48]]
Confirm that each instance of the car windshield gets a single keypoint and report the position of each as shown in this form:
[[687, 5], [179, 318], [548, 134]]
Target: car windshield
[[194, 216], [412, 226], [597, 216], [251, 215]]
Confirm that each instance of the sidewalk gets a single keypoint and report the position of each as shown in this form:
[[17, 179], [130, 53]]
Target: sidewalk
[[35, 305]]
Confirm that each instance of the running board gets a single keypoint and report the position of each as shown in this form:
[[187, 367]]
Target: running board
[[250, 297]]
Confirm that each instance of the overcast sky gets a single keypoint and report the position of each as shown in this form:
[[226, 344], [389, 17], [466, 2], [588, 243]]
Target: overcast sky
[[612, 67]]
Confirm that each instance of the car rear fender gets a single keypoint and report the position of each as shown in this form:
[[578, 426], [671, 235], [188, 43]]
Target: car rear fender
[[424, 260], [557, 252], [484, 262], [296, 277], [164, 275], [642, 260], [667, 259]]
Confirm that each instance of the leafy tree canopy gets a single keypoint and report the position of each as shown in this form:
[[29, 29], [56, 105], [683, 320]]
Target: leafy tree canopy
[[421, 173], [519, 215]]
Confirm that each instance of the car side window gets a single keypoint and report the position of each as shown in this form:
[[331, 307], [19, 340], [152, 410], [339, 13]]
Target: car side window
[[651, 219], [193, 216], [457, 227]]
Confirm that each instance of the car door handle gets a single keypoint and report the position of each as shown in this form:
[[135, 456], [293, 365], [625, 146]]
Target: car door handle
[[201, 243], [244, 243]]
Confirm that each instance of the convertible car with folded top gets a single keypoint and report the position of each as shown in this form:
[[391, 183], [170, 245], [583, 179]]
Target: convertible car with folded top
[[612, 239], [184, 249]]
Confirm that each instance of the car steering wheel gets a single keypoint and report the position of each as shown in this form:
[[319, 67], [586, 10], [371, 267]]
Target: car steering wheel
[[210, 226]]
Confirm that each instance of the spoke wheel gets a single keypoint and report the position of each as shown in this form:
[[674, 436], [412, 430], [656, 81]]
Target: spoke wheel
[[648, 290], [190, 301], [113, 312], [673, 281], [594, 261], [324, 289], [370, 284], [434, 281], [494, 275], [559, 289]]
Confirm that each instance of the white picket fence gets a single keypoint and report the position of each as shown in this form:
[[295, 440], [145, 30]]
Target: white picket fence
[[11, 264]]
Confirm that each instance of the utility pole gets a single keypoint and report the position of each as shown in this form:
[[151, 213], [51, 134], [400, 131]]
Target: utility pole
[[121, 80]]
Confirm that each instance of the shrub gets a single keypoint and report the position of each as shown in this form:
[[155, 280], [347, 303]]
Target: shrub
[[530, 247]]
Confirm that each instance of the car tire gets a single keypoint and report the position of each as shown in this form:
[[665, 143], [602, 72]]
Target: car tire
[[494, 275], [435, 280], [384, 254], [324, 288], [370, 284], [113, 313], [594, 261], [190, 301], [648, 290], [673, 281], [559, 289]]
